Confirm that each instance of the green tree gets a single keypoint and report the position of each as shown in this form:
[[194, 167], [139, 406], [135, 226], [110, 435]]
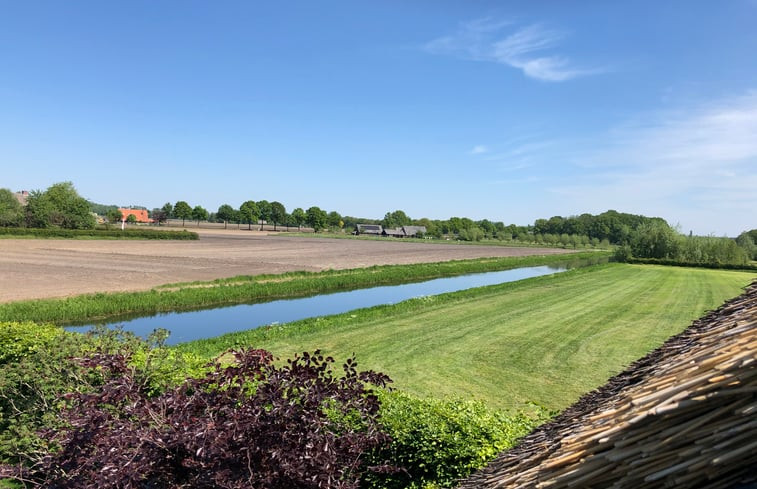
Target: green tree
[[158, 215], [59, 205], [396, 219], [746, 242], [168, 209], [298, 216], [249, 213], [182, 211], [199, 214], [432, 228], [226, 214], [333, 220], [113, 216], [278, 213], [316, 218], [131, 219], [72, 210], [11, 211], [100, 209], [655, 239], [264, 212], [472, 233], [487, 227], [38, 210]]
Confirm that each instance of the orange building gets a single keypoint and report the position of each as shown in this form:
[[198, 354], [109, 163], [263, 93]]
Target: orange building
[[139, 214]]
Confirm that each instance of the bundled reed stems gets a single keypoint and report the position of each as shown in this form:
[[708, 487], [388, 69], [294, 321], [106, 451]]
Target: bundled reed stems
[[683, 416]]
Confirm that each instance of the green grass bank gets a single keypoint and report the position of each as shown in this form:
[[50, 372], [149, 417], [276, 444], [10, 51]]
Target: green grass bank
[[545, 340], [258, 288]]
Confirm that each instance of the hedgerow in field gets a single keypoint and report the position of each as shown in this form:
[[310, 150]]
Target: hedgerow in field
[[99, 233]]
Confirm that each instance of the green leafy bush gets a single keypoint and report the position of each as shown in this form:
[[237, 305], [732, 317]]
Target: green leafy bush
[[19, 339], [437, 442], [622, 254], [44, 367], [250, 424]]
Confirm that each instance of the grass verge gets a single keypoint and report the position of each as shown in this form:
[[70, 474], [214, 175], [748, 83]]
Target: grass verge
[[258, 288], [546, 340]]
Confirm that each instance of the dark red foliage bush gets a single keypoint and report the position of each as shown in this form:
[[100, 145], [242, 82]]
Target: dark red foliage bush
[[252, 424]]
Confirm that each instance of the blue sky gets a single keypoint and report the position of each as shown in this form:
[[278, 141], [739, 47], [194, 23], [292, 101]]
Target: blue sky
[[505, 110]]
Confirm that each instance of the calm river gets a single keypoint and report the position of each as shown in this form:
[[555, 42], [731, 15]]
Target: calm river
[[194, 325]]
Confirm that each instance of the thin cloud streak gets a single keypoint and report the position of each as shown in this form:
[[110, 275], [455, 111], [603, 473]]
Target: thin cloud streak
[[522, 150], [482, 40], [699, 164]]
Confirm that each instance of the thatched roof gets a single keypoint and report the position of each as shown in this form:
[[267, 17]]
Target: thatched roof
[[413, 230], [683, 416], [369, 228]]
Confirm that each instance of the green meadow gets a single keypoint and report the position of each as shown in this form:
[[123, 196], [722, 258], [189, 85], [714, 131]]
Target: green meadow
[[545, 340]]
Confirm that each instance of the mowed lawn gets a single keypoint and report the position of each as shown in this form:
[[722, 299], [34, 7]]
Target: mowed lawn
[[546, 340]]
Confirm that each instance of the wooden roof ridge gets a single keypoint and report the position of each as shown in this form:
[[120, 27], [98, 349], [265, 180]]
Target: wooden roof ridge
[[682, 416]]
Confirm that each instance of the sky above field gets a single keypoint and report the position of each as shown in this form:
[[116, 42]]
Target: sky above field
[[505, 110]]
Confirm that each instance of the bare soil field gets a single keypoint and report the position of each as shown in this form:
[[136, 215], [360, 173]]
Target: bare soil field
[[42, 268]]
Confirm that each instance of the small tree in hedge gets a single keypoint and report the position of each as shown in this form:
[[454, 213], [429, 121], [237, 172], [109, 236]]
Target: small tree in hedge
[[253, 424], [113, 216]]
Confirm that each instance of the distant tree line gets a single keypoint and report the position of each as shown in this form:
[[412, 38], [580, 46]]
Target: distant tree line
[[656, 240], [250, 213], [636, 235]]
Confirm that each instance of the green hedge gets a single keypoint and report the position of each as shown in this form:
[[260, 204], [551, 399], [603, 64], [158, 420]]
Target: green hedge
[[99, 233], [437, 442], [676, 263]]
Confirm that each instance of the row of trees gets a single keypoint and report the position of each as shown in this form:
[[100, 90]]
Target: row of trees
[[249, 212], [657, 240]]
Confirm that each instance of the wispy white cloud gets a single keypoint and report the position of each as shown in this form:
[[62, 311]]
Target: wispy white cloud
[[521, 151], [696, 165], [479, 149], [522, 48]]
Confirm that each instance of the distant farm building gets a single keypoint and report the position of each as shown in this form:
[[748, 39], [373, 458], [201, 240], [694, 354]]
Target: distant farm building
[[370, 229], [405, 231], [22, 196], [400, 232], [139, 214]]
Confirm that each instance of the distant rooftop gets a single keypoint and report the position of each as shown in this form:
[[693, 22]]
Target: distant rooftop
[[21, 196]]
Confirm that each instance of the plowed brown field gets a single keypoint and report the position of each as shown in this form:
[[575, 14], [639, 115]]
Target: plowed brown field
[[39, 268]]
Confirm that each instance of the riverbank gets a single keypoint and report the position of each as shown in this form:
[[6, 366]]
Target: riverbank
[[254, 288]]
